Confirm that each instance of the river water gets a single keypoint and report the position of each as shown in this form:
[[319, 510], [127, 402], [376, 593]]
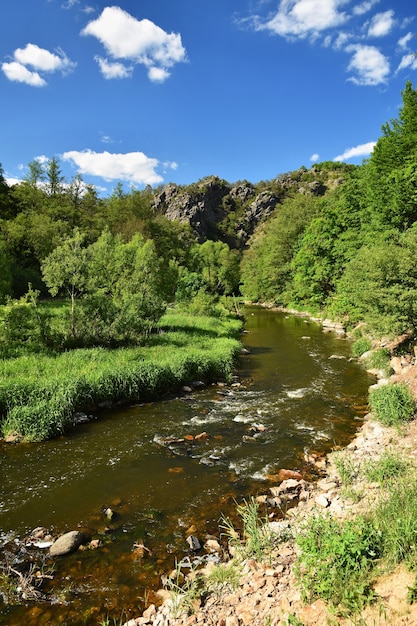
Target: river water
[[294, 398]]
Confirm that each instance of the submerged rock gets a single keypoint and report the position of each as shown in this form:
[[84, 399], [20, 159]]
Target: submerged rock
[[67, 543]]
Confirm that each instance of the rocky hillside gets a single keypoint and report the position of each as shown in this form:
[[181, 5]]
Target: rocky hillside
[[216, 209]]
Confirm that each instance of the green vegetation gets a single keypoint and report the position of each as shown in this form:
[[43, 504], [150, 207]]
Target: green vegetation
[[361, 345], [350, 252], [39, 393], [340, 560], [336, 559], [392, 404], [254, 540]]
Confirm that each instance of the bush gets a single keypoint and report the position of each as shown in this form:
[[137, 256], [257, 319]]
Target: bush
[[392, 404]]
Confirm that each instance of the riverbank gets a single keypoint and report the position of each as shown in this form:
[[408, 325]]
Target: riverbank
[[268, 591], [41, 393]]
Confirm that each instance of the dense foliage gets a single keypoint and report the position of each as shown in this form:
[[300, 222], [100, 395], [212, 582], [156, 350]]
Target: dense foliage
[[341, 239], [351, 252]]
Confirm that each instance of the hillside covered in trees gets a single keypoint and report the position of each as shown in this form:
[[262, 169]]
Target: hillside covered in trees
[[336, 238]]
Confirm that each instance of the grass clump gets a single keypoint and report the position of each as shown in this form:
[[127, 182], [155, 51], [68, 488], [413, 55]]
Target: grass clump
[[392, 404], [396, 519], [336, 559], [255, 539], [347, 469], [379, 360], [361, 345], [389, 466]]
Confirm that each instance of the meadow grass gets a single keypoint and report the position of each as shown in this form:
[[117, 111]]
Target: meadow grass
[[39, 393]]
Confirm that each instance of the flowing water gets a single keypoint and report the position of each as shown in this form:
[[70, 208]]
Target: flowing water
[[295, 397]]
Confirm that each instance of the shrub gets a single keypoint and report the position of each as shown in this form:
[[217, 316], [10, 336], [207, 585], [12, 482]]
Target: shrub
[[392, 404]]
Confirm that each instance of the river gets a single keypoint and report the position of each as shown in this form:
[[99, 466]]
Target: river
[[298, 392]]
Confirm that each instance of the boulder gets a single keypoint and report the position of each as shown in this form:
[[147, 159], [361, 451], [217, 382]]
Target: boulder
[[67, 543]]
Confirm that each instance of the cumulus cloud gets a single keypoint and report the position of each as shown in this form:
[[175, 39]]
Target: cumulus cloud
[[43, 60], [305, 18], [314, 157], [381, 24], [134, 167], [40, 60], [137, 41], [19, 73], [368, 64], [358, 151], [114, 69]]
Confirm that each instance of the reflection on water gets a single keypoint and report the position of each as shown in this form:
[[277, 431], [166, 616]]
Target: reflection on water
[[293, 399]]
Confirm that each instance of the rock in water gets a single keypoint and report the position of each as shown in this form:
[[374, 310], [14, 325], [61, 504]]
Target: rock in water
[[69, 542]]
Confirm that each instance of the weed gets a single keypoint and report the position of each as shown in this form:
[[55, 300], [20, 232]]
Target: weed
[[336, 560], [184, 591], [389, 466], [412, 593], [347, 469], [292, 620], [392, 404], [256, 540], [396, 519], [350, 493], [224, 576]]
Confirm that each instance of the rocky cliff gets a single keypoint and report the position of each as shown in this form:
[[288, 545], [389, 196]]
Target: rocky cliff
[[216, 209]]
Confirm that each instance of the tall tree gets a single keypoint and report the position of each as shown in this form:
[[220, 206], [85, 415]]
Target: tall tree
[[54, 177]]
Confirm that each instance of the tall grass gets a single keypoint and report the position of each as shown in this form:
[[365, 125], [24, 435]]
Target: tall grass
[[40, 393], [392, 404]]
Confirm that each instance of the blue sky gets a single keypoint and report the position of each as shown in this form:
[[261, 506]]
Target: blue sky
[[157, 91]]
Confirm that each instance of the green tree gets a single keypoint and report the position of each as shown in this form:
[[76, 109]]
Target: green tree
[[65, 271], [379, 285], [391, 173], [218, 266], [266, 265], [54, 177]]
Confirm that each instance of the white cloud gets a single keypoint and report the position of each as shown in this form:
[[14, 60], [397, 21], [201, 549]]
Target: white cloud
[[369, 64], [43, 60], [408, 60], [138, 41], [158, 74], [134, 167], [366, 6], [341, 40], [314, 157], [381, 24], [19, 73], [362, 150], [40, 60], [403, 42], [114, 69], [305, 18]]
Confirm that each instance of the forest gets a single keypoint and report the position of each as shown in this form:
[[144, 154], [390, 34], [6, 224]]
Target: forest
[[347, 252]]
